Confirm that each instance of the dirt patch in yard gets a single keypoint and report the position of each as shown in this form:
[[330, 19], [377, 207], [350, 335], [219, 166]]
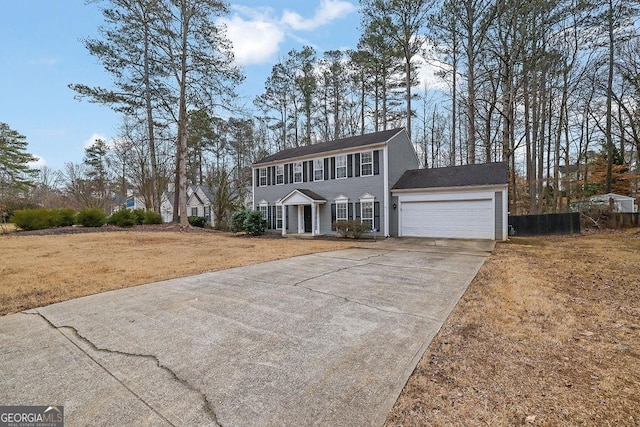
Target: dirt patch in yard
[[37, 270], [548, 334]]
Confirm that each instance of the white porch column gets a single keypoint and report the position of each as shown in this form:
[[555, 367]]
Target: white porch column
[[284, 220], [300, 219], [313, 218], [318, 219]]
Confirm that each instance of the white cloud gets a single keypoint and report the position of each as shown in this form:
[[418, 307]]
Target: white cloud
[[254, 41], [39, 163], [92, 139], [328, 11], [256, 33], [429, 66]]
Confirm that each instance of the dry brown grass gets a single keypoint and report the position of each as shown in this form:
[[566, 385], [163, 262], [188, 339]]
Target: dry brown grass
[[41, 270], [547, 334]]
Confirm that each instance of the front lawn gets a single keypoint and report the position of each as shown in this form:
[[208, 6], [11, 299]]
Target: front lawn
[[548, 334]]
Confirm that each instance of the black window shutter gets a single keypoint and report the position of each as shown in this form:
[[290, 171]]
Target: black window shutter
[[286, 173], [333, 168], [273, 175], [350, 165], [311, 175], [305, 175], [326, 169], [257, 177], [268, 218], [274, 218], [357, 208], [333, 216], [269, 176], [376, 216], [357, 164], [291, 172], [376, 162], [350, 214], [286, 209]]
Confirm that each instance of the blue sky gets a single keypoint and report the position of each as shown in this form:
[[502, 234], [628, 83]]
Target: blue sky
[[42, 53]]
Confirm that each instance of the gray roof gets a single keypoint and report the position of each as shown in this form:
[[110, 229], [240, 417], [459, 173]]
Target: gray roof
[[339, 144], [454, 176], [310, 194]]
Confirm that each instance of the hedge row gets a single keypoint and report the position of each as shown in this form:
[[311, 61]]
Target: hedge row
[[38, 219], [129, 218]]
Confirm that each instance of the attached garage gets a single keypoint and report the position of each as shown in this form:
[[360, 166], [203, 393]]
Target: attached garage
[[462, 202]]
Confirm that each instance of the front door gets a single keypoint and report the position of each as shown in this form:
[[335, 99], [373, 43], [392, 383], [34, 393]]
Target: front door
[[307, 218]]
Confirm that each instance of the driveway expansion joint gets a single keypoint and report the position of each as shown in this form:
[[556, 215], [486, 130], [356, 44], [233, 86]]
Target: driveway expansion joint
[[346, 299], [207, 404]]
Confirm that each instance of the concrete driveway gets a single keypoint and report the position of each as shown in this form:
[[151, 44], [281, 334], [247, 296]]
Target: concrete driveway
[[324, 339]]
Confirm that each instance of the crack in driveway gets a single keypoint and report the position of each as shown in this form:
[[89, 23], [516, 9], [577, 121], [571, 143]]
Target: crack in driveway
[[358, 263], [207, 404], [404, 313]]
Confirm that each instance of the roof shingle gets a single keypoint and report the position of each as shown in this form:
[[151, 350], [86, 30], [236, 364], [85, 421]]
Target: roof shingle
[[339, 144], [454, 176]]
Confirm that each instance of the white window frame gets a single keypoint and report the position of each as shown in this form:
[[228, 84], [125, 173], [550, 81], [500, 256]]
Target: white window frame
[[342, 205], [318, 169], [194, 209], [263, 177], [279, 217], [367, 163], [367, 201], [341, 164], [279, 174], [297, 172], [264, 210]]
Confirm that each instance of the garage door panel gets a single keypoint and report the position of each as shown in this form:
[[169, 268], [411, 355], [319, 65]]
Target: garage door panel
[[471, 219]]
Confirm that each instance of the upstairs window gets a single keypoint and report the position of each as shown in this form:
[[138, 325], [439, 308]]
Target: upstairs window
[[297, 172], [279, 174], [263, 177], [318, 170], [341, 167], [366, 163]]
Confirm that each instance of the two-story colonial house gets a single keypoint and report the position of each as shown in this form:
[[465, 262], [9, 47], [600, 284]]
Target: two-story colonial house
[[307, 189]]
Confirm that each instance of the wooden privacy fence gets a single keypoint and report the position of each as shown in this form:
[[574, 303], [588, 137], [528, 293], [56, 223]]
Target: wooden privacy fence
[[623, 220], [538, 225]]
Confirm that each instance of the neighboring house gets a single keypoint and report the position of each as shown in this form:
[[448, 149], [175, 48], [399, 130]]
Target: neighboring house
[[131, 202], [617, 202], [199, 202], [307, 189]]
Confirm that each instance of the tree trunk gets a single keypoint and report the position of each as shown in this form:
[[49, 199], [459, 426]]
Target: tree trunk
[[608, 136], [182, 117], [156, 190], [407, 82]]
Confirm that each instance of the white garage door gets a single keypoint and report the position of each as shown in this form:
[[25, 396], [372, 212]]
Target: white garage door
[[461, 219]]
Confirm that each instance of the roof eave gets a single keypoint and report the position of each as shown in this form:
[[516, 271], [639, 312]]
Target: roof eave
[[452, 187], [320, 154]]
